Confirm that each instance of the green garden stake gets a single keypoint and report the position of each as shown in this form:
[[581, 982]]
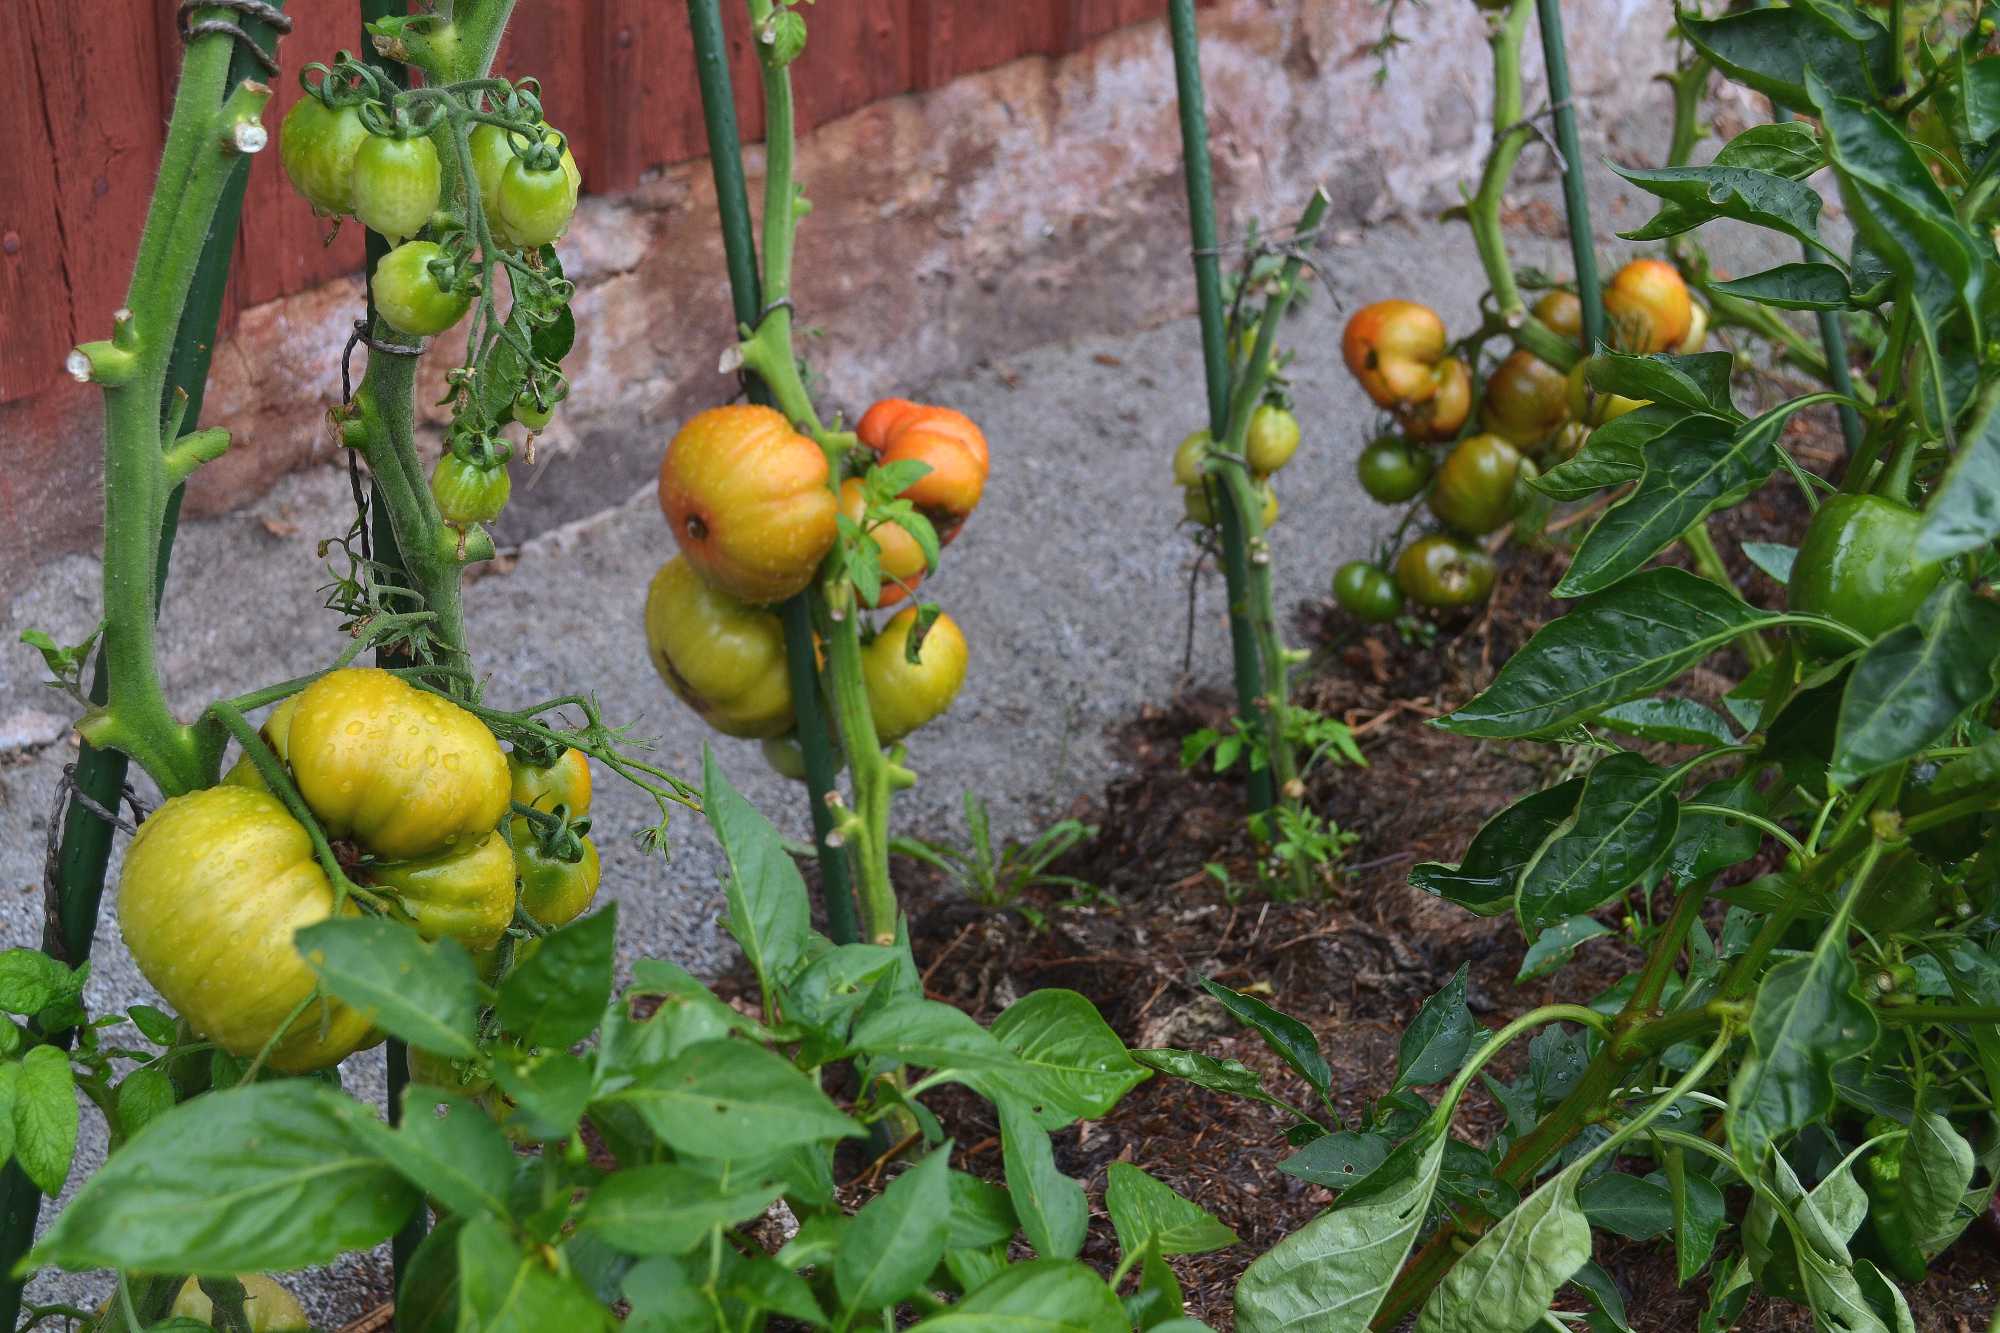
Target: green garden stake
[[1576, 197], [1215, 361], [725, 155]]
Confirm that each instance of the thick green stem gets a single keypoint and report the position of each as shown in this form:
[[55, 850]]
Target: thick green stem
[[1215, 364], [1689, 83]]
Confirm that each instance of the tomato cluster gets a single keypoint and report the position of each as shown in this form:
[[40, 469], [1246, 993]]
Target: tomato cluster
[[349, 156], [1271, 440], [759, 512], [412, 790], [1474, 470]]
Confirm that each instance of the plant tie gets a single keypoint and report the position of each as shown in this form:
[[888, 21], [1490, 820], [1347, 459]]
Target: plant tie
[[278, 21], [53, 942]]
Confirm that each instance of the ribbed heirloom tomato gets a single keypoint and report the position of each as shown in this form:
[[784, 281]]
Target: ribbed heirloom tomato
[[1647, 307], [904, 695], [406, 773], [317, 144], [723, 659], [1526, 398], [1440, 571], [211, 892], [1474, 490], [748, 501], [467, 895], [946, 441], [902, 560], [1393, 348]]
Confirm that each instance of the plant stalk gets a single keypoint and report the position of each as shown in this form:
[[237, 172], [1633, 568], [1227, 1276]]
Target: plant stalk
[[1576, 197], [1215, 365]]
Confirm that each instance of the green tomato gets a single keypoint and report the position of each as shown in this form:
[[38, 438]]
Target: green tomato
[[1393, 470], [531, 412], [468, 493], [1188, 456], [396, 183], [317, 145], [1441, 571], [1366, 592], [407, 294], [1858, 565], [1474, 490], [553, 891], [1272, 440], [535, 206]]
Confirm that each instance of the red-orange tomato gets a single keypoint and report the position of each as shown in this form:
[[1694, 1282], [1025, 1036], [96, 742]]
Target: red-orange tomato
[[948, 441], [748, 500], [1443, 414], [1561, 312], [1393, 348], [1647, 307], [902, 558]]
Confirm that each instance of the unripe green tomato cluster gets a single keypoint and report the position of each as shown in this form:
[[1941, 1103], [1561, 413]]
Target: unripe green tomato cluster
[[1269, 443]]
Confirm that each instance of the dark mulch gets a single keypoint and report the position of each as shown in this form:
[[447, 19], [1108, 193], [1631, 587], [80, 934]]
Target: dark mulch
[[1354, 965]]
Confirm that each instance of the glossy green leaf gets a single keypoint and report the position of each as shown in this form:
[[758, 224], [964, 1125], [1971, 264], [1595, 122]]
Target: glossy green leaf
[[1612, 455], [1964, 510], [1770, 50], [1628, 640], [1698, 383], [1485, 880], [664, 1208], [1148, 1215], [931, 1035], [1434, 1045], [982, 1214], [45, 1117], [1674, 721], [1071, 1064], [268, 1176], [504, 1288], [895, 1241], [557, 996], [1330, 1275], [1691, 471], [1292, 1040], [1706, 843], [427, 994], [427, 1298], [1635, 1207], [1051, 1206], [1557, 944], [461, 1159], [1041, 1296], [1230, 1077], [1338, 1161], [1509, 1277], [1703, 194], [1805, 1021], [1774, 558], [1602, 1289], [550, 1091], [1793, 287], [1938, 1171], [1914, 682], [730, 1099], [768, 913], [1624, 824], [1699, 1214]]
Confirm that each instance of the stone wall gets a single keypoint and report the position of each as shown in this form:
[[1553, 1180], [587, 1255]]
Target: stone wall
[[1034, 202]]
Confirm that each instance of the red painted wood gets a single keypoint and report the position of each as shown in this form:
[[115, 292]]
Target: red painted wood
[[35, 318], [104, 164], [282, 247], [617, 77]]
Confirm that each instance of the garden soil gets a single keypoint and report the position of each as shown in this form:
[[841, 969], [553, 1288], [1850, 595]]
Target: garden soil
[[1072, 584]]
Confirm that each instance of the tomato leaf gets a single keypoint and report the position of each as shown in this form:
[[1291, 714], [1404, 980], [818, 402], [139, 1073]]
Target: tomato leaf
[[269, 1176], [31, 981], [1628, 640], [45, 1117], [426, 994]]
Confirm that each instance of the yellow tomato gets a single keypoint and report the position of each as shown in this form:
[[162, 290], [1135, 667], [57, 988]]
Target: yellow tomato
[[904, 695], [723, 659], [467, 895]]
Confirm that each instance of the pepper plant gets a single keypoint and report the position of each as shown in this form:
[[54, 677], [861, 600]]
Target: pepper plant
[[1796, 1088]]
